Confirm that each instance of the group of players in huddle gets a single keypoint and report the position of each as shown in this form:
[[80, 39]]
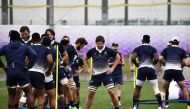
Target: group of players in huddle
[[31, 68]]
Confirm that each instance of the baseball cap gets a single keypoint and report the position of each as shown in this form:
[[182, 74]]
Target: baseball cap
[[115, 44], [175, 39]]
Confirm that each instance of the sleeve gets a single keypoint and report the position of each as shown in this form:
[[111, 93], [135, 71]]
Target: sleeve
[[154, 50], [89, 53], [135, 50], [81, 63], [61, 49], [184, 54], [31, 55], [112, 53]]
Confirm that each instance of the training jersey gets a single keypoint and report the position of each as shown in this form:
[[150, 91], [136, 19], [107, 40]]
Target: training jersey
[[15, 53], [72, 53], [145, 53], [41, 62], [78, 62], [173, 57], [118, 68], [61, 50], [28, 42], [100, 59]]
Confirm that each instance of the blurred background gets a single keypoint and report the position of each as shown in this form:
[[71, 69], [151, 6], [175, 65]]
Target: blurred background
[[95, 12]]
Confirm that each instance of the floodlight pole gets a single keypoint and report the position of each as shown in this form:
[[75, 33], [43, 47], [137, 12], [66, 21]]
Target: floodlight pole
[[50, 13], [4, 12], [11, 12], [86, 13], [169, 13], [104, 12], [126, 13]]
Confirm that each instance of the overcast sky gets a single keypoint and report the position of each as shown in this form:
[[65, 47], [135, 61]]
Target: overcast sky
[[76, 15]]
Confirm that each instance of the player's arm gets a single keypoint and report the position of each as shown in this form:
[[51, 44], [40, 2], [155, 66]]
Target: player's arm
[[133, 59], [65, 57], [50, 64], [122, 60], [80, 70], [1, 63], [31, 54], [117, 59], [86, 64], [187, 61], [156, 59]]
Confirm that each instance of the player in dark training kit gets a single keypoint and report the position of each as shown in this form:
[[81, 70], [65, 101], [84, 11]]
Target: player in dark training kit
[[148, 57], [15, 54]]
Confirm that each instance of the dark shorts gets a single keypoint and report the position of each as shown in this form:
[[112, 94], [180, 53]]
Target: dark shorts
[[97, 80], [61, 75], [77, 81], [175, 75], [37, 79], [117, 79], [146, 73], [15, 78], [50, 85]]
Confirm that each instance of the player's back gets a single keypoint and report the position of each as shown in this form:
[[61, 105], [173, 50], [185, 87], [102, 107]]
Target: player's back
[[15, 53], [173, 57], [173, 54], [41, 60], [145, 53], [72, 53]]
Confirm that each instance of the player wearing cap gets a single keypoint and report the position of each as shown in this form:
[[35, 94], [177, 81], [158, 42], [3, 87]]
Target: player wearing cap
[[101, 71], [117, 75], [148, 57], [174, 58], [15, 53]]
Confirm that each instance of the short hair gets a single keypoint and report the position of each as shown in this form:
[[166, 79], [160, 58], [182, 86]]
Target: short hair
[[81, 40], [46, 41], [14, 35], [24, 28], [51, 31], [66, 36], [36, 37], [100, 39], [146, 39]]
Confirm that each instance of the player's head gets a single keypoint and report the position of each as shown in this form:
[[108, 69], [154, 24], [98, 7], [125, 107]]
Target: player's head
[[51, 34], [175, 41], [46, 41], [65, 40], [14, 35], [36, 37], [115, 46], [169, 44], [80, 43], [146, 39], [25, 33], [100, 42]]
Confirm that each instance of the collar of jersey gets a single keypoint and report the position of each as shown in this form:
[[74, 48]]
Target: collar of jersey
[[26, 41], [145, 44], [37, 44], [52, 42], [100, 51], [175, 46]]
